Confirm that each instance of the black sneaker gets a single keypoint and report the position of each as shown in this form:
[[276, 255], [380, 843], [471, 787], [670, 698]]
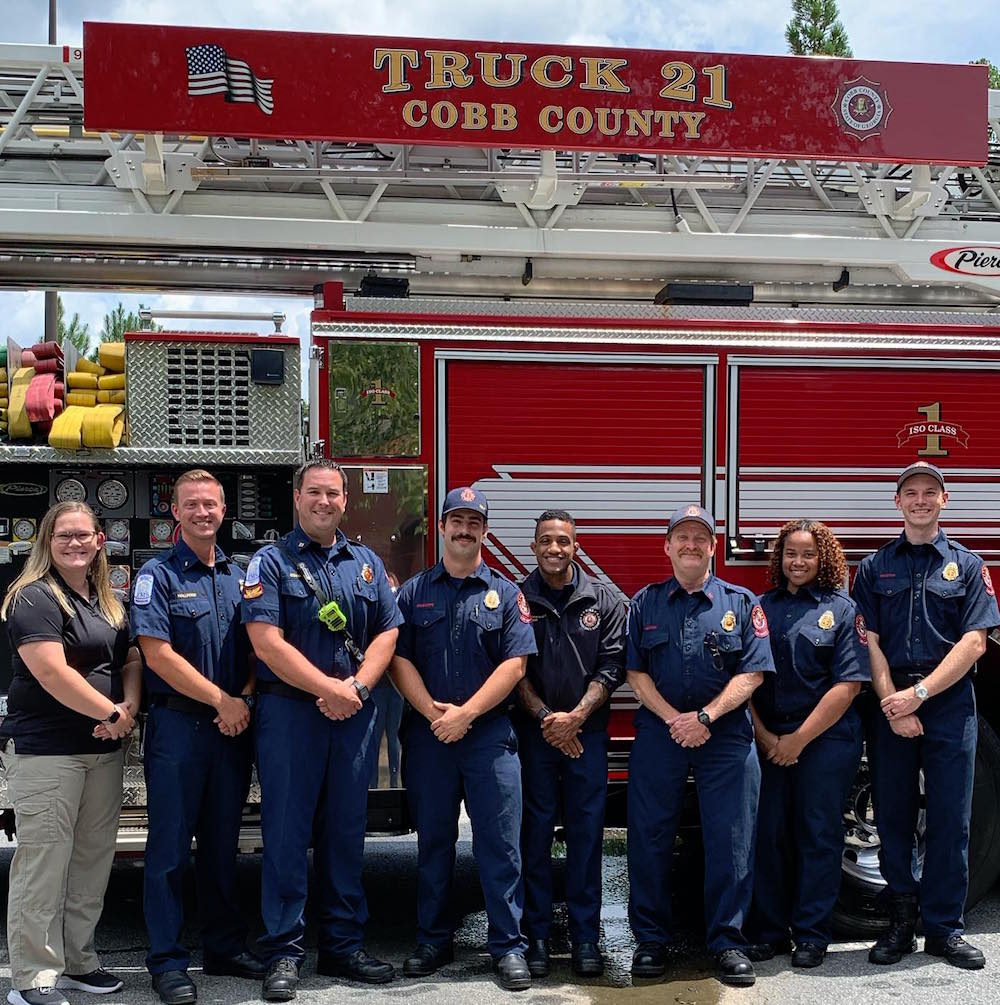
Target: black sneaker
[[97, 982]]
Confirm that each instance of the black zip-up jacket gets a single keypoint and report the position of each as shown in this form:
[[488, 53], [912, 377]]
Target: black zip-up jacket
[[583, 644]]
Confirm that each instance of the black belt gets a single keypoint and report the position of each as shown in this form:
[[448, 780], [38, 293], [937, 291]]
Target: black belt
[[904, 678], [178, 703], [279, 687]]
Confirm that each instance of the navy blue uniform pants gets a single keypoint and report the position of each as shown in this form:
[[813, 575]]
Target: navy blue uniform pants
[[548, 778], [800, 837], [482, 768], [947, 754], [727, 777], [196, 784], [314, 775]]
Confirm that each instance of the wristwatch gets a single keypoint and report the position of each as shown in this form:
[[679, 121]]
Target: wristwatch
[[248, 700], [704, 718], [920, 691], [113, 717], [543, 712], [363, 692]]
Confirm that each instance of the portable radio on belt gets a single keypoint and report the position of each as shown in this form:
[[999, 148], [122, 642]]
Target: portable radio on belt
[[330, 612]]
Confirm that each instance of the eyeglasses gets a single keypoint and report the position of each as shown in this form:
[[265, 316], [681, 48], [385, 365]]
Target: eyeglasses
[[83, 536]]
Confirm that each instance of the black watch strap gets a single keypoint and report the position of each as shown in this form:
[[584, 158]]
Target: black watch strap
[[362, 690], [113, 716], [704, 718], [248, 700], [543, 712]]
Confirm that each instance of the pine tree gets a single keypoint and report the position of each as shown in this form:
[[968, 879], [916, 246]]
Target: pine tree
[[76, 333], [815, 30]]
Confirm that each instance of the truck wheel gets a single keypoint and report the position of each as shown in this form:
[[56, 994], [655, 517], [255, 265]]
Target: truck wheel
[[861, 909]]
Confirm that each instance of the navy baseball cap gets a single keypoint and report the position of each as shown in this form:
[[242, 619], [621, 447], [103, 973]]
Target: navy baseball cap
[[693, 512], [920, 468], [465, 498]]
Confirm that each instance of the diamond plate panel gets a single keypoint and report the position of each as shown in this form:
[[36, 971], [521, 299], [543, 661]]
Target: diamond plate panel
[[194, 401], [634, 311]]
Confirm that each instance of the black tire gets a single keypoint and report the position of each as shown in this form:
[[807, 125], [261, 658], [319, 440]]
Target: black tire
[[861, 908]]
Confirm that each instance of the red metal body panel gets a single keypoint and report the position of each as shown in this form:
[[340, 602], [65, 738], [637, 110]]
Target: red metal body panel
[[434, 91]]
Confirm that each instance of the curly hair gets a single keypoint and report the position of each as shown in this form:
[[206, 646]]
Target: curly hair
[[832, 573]]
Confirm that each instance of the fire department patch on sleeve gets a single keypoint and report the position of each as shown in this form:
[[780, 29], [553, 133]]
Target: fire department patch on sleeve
[[862, 629], [759, 621], [523, 608], [590, 618], [987, 582], [143, 592]]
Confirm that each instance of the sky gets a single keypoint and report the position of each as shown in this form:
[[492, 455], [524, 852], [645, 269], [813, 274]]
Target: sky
[[917, 30]]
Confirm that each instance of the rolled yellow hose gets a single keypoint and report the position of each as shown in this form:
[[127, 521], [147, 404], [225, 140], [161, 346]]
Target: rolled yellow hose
[[86, 399], [19, 425], [113, 382], [82, 381], [103, 426], [89, 366], [67, 428], [111, 397], [112, 356]]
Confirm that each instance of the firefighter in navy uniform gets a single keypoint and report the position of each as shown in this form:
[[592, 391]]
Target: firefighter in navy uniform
[[462, 650], [198, 752], [928, 603], [697, 648], [563, 741], [809, 742], [323, 621]]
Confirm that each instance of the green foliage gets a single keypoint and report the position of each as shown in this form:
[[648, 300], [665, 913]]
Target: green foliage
[[120, 321], [76, 332], [994, 72], [815, 30]]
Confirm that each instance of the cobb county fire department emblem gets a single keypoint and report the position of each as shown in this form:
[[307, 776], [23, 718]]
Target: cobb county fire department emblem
[[987, 582], [468, 495], [826, 620], [759, 621], [523, 609], [950, 571], [728, 621], [861, 629], [862, 107], [366, 573], [492, 600], [590, 618]]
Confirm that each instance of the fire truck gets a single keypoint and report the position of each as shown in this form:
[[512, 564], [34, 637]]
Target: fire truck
[[769, 318]]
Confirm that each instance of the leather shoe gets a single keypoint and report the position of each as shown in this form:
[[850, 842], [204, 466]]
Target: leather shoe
[[587, 960], [359, 966], [537, 957], [808, 955], [514, 972], [281, 981], [955, 951], [733, 967], [649, 960], [427, 958], [175, 987], [241, 965], [758, 952]]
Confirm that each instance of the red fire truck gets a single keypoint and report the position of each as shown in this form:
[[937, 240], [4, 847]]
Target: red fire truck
[[620, 416]]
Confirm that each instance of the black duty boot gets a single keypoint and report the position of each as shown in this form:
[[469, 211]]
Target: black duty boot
[[899, 940]]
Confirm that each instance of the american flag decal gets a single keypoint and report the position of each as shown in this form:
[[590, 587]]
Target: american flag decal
[[211, 71]]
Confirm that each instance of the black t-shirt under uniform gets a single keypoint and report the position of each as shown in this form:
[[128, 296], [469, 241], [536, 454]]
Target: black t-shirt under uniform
[[37, 722]]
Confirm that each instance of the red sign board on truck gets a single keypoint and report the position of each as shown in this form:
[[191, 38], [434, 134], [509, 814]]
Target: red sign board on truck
[[381, 89]]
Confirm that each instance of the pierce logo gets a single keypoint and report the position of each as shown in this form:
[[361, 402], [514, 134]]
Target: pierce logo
[[862, 107], [23, 489], [972, 260]]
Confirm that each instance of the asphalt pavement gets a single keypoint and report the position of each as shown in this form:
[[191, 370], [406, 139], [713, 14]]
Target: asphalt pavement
[[390, 880]]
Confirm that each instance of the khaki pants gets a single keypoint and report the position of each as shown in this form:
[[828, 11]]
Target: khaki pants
[[66, 807]]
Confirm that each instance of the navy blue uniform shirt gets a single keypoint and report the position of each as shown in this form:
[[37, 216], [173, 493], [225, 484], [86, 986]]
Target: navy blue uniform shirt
[[580, 635], [275, 593], [691, 644], [921, 599], [457, 632], [197, 610], [817, 641]]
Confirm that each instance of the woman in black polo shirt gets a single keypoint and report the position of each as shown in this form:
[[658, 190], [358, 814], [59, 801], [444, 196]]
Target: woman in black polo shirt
[[74, 693]]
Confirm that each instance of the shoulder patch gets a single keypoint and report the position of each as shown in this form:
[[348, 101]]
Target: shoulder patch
[[861, 629], [143, 592], [759, 620], [523, 608], [987, 582], [252, 577]]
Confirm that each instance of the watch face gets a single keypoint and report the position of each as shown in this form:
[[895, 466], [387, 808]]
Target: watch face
[[71, 490], [112, 494]]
